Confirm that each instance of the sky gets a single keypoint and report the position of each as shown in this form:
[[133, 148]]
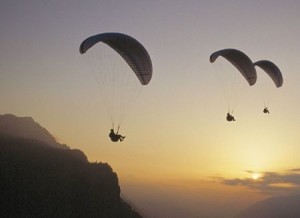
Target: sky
[[180, 158]]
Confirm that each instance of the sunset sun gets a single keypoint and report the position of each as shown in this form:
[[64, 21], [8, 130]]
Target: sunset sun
[[255, 176]]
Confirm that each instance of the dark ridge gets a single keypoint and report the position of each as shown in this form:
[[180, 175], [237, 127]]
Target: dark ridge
[[40, 181], [26, 127]]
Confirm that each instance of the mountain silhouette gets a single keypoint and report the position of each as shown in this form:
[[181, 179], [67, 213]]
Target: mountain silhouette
[[26, 127], [275, 207], [41, 180]]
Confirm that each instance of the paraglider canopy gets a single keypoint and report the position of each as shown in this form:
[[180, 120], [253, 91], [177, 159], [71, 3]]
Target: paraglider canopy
[[128, 48], [272, 70], [240, 60]]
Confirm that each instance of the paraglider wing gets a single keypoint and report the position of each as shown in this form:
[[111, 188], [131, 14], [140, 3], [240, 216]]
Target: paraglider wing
[[272, 70], [133, 52], [240, 60]]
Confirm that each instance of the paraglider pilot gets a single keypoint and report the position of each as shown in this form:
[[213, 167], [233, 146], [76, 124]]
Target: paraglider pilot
[[266, 110], [115, 136], [230, 117]]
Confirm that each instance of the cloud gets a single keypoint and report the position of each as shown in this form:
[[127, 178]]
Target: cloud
[[295, 170], [269, 182]]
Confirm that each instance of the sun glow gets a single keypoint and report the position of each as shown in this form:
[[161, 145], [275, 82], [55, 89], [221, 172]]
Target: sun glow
[[255, 176]]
